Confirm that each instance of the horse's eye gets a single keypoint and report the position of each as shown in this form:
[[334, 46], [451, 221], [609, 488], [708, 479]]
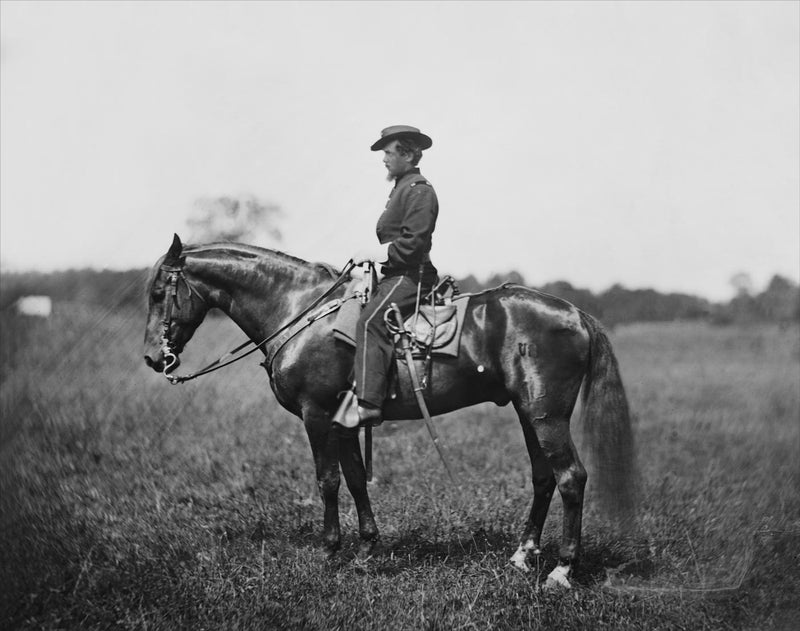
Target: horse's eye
[[158, 295]]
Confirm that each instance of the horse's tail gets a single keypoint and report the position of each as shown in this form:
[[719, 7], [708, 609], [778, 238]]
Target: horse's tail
[[606, 422]]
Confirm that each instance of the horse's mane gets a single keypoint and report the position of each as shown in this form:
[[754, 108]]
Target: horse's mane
[[244, 250]]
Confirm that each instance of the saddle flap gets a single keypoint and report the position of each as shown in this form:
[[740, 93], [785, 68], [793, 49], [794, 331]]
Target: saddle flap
[[434, 326]]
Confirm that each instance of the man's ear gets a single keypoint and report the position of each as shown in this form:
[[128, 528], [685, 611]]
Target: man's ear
[[174, 253]]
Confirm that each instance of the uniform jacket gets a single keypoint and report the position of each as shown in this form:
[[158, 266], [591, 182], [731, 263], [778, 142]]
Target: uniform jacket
[[407, 224]]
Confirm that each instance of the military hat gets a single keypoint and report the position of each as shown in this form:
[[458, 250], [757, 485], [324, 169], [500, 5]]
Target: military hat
[[395, 132]]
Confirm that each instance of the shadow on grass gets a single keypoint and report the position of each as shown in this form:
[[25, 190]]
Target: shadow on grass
[[410, 551]]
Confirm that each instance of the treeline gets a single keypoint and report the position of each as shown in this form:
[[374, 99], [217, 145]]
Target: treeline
[[778, 302]]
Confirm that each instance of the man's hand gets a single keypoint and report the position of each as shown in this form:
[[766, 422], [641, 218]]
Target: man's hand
[[376, 254], [358, 272]]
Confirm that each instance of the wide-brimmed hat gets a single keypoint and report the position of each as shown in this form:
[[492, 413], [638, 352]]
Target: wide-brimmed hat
[[396, 132]]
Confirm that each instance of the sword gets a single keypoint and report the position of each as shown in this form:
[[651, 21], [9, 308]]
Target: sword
[[423, 407]]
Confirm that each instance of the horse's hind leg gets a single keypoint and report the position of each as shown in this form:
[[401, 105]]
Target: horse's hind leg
[[355, 476], [544, 483], [550, 424]]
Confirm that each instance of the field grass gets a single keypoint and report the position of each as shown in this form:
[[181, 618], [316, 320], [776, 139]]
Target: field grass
[[126, 502]]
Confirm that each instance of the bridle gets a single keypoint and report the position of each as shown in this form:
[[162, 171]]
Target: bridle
[[171, 301], [171, 298]]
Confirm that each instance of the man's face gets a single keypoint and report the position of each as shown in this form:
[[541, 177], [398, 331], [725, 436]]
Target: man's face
[[396, 163]]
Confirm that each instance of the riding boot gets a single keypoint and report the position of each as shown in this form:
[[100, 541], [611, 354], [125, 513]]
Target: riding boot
[[369, 414], [361, 415]]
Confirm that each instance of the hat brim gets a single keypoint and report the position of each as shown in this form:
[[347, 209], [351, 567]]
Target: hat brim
[[421, 139]]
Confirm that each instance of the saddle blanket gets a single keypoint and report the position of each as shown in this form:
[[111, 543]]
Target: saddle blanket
[[448, 319]]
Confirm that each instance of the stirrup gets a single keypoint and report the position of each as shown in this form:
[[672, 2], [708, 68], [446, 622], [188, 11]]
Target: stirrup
[[360, 416], [351, 415]]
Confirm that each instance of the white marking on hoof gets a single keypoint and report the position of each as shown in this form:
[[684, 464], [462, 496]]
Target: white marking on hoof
[[558, 578], [520, 558]]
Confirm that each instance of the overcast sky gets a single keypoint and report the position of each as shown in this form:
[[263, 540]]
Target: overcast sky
[[648, 144]]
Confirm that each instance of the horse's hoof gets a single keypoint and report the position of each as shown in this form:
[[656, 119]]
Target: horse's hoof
[[329, 550], [365, 549], [329, 553], [558, 579], [522, 566], [520, 558]]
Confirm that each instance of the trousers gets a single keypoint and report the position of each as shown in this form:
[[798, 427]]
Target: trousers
[[374, 347]]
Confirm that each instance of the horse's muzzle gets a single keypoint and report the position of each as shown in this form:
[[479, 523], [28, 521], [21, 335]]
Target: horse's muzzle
[[161, 364]]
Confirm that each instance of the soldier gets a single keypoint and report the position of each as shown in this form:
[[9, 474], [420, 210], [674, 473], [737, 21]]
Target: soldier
[[404, 231]]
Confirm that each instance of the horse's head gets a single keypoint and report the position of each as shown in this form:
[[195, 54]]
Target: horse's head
[[175, 310]]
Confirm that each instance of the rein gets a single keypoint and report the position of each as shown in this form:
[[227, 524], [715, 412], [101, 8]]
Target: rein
[[172, 297]]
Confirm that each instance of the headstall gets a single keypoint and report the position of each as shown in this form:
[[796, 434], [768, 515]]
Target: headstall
[[171, 301]]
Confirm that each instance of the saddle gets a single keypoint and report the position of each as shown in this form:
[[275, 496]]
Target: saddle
[[435, 328]]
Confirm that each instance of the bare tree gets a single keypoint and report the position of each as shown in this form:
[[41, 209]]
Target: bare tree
[[243, 219], [742, 283]]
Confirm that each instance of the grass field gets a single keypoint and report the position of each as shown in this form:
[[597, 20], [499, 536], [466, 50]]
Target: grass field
[[126, 502]]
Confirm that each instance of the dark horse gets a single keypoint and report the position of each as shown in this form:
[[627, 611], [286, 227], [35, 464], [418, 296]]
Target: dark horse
[[518, 345]]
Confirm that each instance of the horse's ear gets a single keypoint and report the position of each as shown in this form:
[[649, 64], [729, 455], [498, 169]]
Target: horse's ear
[[174, 253]]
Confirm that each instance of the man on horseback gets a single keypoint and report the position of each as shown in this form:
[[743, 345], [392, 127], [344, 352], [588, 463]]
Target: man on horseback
[[404, 231], [519, 346]]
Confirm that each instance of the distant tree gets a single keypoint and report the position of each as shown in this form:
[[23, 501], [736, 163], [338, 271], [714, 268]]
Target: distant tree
[[780, 301], [618, 305], [622, 305], [742, 283], [743, 307], [469, 285], [581, 298], [242, 219], [508, 277]]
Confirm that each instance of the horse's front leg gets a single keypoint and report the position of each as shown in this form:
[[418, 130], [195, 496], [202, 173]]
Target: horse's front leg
[[355, 476], [324, 446]]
